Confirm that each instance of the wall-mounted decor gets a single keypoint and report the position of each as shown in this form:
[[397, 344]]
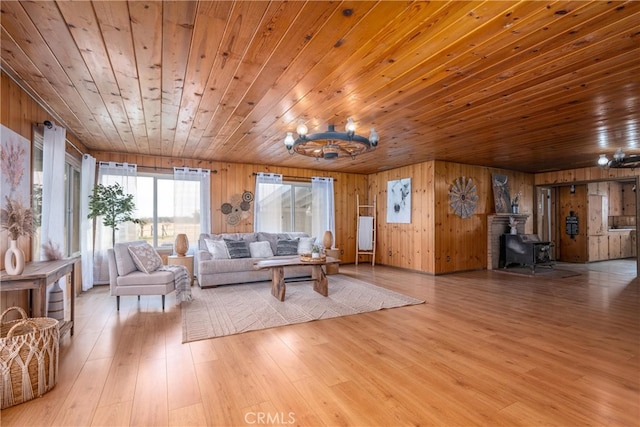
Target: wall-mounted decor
[[501, 196], [463, 198], [399, 201], [238, 208], [17, 216]]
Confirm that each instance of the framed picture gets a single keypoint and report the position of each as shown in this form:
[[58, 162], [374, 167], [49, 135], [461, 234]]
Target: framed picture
[[501, 195], [399, 201], [15, 154]]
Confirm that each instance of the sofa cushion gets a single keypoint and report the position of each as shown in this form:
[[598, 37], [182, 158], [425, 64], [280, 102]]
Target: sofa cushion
[[287, 247], [217, 249], [139, 278], [145, 257], [237, 248], [124, 261], [305, 245], [260, 250], [269, 237], [248, 237]]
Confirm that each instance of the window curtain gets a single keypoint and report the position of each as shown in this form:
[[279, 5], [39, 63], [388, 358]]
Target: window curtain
[[322, 207], [268, 203], [192, 203], [88, 178], [110, 173], [53, 203]]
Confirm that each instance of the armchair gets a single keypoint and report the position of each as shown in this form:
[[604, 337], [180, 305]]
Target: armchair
[[126, 279]]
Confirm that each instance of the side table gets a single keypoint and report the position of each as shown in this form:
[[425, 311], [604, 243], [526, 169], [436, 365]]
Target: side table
[[186, 261], [333, 268], [35, 278]]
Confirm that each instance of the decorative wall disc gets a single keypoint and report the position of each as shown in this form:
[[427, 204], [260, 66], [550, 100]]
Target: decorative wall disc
[[226, 208], [463, 198], [238, 207], [247, 196]]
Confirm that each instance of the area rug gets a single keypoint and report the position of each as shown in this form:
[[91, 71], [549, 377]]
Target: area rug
[[233, 309]]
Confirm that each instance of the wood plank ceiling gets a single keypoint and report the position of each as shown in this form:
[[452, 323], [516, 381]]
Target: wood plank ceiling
[[529, 86]]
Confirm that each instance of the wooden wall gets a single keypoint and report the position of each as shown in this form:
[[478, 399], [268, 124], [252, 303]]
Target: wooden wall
[[233, 178], [411, 245], [19, 112], [438, 241], [584, 175]]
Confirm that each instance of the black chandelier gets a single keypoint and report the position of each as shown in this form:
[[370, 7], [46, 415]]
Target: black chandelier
[[620, 160], [331, 144]]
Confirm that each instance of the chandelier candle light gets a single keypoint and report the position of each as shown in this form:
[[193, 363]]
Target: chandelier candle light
[[330, 144], [620, 160]]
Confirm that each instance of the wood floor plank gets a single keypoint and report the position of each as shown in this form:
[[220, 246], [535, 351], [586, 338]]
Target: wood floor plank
[[79, 405], [487, 348], [150, 405]]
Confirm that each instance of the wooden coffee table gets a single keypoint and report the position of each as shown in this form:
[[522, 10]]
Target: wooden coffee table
[[278, 287]]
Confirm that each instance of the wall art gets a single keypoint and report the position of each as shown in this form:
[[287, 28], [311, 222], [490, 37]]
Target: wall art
[[399, 201], [238, 208], [463, 198]]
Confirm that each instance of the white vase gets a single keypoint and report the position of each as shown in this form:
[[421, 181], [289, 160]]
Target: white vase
[[514, 230], [14, 259]]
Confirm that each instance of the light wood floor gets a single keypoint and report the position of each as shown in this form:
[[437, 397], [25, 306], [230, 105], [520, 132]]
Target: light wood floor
[[488, 348]]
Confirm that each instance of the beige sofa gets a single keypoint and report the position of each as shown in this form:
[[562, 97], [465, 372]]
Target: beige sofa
[[223, 271]]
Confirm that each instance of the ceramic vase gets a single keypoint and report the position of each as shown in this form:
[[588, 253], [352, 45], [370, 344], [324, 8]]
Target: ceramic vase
[[514, 209], [14, 259], [514, 230], [181, 245], [327, 239]]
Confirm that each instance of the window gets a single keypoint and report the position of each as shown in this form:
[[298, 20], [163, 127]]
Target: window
[[160, 219], [71, 201], [36, 195], [285, 207], [72, 208]]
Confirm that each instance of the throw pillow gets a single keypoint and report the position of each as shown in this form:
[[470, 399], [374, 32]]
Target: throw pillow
[[217, 248], [260, 250], [145, 258], [237, 248], [287, 247], [305, 245]]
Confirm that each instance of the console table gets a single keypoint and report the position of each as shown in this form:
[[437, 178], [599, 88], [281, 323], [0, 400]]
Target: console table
[[35, 278]]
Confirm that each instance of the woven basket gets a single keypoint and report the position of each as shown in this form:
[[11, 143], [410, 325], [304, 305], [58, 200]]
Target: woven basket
[[29, 350], [309, 258]]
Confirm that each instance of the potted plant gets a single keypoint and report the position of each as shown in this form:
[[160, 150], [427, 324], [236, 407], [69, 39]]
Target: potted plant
[[113, 205], [315, 251]]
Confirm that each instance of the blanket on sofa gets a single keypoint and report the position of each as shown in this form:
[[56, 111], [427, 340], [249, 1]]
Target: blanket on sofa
[[183, 283]]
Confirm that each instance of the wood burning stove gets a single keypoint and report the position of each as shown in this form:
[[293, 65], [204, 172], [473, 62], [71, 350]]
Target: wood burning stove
[[524, 249]]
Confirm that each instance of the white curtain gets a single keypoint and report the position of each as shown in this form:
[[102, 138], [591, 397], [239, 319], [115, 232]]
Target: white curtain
[[110, 173], [53, 202], [322, 207], [53, 195], [268, 203], [86, 225], [192, 203]]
